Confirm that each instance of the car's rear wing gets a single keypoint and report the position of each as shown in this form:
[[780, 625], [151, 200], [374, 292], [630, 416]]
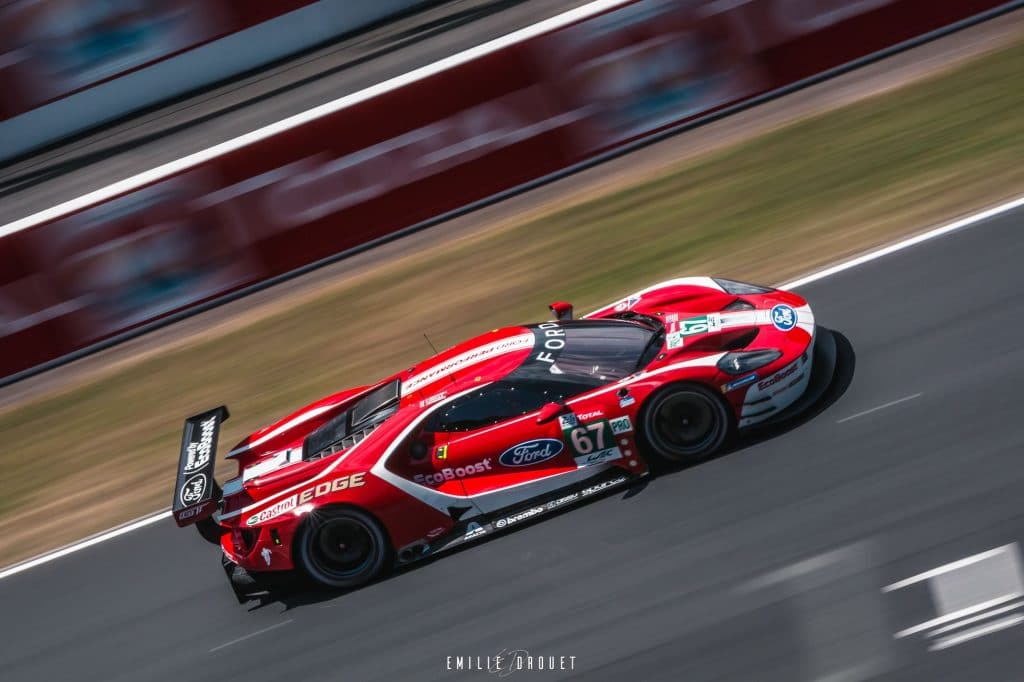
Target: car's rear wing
[[196, 493]]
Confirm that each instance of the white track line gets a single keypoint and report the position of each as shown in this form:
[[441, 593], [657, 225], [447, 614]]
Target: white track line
[[163, 171], [951, 566], [976, 219], [251, 635], [87, 542], [969, 221], [880, 407], [974, 633]]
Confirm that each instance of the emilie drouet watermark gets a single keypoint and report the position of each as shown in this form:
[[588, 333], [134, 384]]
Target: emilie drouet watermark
[[508, 662]]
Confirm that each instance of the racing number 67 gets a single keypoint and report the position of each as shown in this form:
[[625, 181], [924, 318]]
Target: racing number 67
[[585, 439]]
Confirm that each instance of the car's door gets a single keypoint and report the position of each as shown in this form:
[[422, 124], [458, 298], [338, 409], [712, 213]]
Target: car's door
[[497, 449]]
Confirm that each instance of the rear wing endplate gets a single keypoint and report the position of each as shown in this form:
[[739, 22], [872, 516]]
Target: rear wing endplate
[[196, 493]]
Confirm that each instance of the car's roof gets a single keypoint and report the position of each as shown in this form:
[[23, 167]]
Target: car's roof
[[494, 355]]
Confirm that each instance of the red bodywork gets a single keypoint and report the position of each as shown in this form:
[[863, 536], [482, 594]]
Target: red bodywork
[[423, 484]]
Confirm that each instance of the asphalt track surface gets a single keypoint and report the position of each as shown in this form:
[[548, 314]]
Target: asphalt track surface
[[766, 564]]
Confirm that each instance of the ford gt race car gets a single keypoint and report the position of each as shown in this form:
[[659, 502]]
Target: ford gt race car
[[501, 429]]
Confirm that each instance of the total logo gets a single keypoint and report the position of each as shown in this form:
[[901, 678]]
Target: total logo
[[531, 452], [521, 516], [783, 317], [452, 473]]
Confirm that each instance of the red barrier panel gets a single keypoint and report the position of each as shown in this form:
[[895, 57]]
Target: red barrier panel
[[52, 48], [417, 152]]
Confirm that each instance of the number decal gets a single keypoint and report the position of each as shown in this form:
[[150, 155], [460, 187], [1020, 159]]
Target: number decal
[[591, 444], [585, 439], [581, 443]]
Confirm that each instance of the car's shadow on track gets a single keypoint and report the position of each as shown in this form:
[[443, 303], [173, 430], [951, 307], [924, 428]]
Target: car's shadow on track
[[292, 593]]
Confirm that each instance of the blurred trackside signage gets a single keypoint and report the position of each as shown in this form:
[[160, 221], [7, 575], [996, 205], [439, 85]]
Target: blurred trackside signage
[[417, 152], [52, 49], [308, 190]]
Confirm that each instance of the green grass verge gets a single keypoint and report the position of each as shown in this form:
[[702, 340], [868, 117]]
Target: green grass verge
[[766, 209]]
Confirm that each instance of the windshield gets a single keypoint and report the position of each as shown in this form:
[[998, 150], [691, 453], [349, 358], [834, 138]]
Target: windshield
[[599, 350]]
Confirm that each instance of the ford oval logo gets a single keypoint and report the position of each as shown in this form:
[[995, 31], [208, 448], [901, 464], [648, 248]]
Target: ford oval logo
[[531, 452]]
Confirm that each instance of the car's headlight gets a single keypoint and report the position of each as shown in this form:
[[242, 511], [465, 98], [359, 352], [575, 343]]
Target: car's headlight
[[743, 361], [741, 288]]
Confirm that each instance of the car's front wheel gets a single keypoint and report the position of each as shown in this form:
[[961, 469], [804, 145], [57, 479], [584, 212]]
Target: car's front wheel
[[686, 423], [342, 547]]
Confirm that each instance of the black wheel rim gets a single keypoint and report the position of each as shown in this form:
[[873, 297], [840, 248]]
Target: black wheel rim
[[686, 423], [342, 547]]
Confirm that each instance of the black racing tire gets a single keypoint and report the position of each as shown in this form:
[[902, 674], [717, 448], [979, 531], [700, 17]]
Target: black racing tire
[[342, 547], [686, 424]]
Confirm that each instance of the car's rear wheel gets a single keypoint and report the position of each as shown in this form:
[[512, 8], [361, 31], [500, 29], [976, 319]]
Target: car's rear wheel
[[686, 423], [342, 547]]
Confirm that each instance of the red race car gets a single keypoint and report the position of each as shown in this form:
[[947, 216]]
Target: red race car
[[501, 429]]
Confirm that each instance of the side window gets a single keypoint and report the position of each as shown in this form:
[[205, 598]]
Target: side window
[[489, 405], [498, 402]]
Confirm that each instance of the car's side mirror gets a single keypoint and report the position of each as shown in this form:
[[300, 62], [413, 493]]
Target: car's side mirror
[[561, 310], [552, 411]]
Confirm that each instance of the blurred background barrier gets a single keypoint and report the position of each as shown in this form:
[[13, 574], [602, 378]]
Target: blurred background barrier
[[69, 65], [407, 156]]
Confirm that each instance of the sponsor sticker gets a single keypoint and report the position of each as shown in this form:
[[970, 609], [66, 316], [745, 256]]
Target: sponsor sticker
[[621, 425], [453, 473], [307, 495], [783, 317], [193, 489], [594, 489], [739, 383], [199, 452], [441, 452], [702, 324], [779, 376], [626, 303], [593, 414], [193, 511], [473, 530], [591, 443], [674, 340], [626, 400], [554, 504], [436, 398], [606, 455], [464, 360], [788, 386], [435, 532], [517, 518], [567, 421], [531, 452]]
